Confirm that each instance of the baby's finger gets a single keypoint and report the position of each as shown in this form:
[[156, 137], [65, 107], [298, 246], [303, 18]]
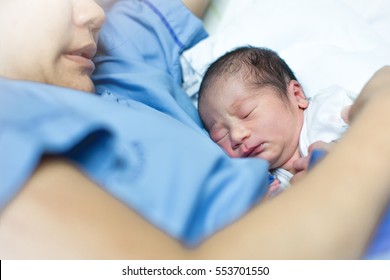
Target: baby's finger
[[301, 164]]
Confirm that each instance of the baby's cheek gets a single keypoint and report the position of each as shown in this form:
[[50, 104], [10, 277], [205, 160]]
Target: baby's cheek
[[232, 153], [227, 149]]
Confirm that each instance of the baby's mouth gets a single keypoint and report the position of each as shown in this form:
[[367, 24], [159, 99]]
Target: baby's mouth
[[252, 152]]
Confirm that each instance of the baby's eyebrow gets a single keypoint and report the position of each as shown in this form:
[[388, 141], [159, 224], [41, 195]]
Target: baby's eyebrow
[[241, 101], [237, 105]]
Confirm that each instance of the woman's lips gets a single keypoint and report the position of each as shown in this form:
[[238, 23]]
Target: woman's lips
[[83, 56], [85, 62]]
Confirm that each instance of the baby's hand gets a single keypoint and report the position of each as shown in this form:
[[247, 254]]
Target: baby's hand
[[302, 164], [273, 188]]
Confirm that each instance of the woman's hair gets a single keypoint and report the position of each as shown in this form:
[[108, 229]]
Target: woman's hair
[[257, 67]]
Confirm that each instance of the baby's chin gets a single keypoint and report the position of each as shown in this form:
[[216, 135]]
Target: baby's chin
[[274, 162], [271, 161]]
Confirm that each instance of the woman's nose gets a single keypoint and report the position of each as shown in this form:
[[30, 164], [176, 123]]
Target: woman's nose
[[88, 13]]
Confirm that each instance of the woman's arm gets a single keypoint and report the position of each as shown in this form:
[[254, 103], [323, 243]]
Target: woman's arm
[[197, 7], [378, 85], [72, 218]]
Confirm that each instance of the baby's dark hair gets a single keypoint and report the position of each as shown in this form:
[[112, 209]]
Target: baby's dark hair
[[257, 67]]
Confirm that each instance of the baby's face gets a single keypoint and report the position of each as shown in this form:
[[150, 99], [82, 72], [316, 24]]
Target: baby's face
[[249, 122]]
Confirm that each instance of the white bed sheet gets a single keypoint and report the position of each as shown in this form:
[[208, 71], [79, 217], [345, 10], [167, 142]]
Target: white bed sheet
[[325, 42]]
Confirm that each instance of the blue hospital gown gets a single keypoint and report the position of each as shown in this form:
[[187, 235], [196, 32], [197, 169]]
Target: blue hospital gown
[[147, 148]]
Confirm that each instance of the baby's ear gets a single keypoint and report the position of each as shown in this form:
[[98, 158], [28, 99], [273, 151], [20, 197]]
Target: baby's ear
[[297, 94]]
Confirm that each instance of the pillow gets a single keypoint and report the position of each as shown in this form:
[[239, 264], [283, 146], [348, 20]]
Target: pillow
[[221, 12], [325, 42]]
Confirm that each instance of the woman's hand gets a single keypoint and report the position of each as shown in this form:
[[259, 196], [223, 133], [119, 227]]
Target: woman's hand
[[377, 85]]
